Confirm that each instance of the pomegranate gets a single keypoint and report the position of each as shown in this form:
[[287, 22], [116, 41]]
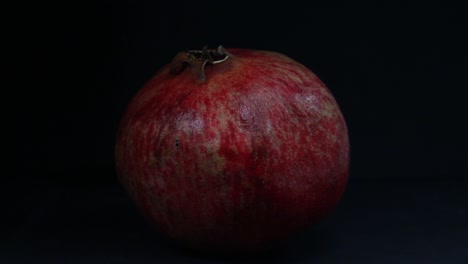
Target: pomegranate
[[233, 149]]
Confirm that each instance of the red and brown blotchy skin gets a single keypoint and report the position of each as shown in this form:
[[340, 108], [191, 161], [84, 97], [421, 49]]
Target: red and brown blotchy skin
[[257, 151]]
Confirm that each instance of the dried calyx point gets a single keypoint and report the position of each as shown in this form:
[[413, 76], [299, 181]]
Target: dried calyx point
[[197, 60]]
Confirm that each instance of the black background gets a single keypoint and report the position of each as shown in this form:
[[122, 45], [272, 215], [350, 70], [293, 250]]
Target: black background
[[398, 73]]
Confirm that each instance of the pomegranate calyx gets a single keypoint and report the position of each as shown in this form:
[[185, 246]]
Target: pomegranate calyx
[[197, 60]]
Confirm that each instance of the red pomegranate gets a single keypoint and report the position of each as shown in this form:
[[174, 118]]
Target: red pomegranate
[[233, 149]]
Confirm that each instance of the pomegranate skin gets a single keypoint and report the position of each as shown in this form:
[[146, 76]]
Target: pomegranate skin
[[257, 151]]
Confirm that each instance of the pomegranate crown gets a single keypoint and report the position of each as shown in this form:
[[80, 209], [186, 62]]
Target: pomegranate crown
[[198, 59]]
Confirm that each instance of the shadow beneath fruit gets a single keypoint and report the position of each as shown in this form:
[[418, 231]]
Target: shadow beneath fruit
[[309, 245]]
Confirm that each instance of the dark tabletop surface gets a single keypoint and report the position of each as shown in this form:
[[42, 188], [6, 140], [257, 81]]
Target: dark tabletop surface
[[393, 221]]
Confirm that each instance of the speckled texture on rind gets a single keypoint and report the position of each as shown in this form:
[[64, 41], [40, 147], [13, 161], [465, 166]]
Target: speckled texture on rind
[[257, 151]]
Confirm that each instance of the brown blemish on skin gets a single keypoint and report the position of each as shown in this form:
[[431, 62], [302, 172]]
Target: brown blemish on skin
[[214, 166]]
